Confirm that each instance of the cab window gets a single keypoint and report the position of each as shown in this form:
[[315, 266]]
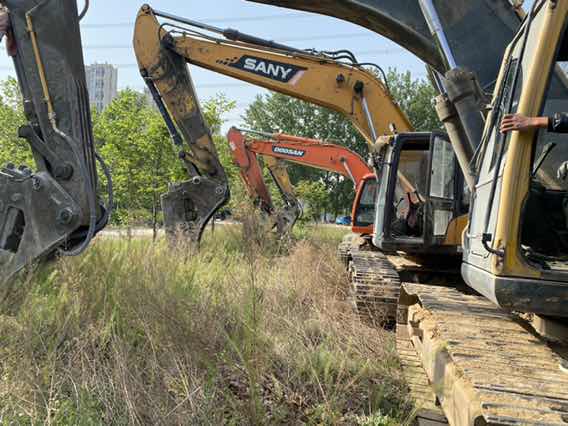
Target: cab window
[[365, 214], [443, 172]]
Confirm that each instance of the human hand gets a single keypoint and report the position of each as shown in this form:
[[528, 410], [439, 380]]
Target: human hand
[[521, 123], [6, 30]]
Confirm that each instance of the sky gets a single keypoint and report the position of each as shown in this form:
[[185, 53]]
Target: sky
[[108, 27]]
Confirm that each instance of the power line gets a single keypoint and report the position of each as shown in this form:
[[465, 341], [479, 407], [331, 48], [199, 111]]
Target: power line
[[280, 16], [389, 51]]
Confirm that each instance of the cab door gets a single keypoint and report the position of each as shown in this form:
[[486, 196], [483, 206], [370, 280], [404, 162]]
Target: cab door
[[443, 190]]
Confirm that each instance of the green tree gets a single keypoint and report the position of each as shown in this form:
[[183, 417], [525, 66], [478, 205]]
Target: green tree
[[315, 197], [134, 144], [415, 97], [12, 148], [279, 113], [134, 140]]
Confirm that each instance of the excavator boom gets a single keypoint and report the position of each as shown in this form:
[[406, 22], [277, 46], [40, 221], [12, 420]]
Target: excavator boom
[[465, 24], [54, 207], [346, 88], [309, 152]]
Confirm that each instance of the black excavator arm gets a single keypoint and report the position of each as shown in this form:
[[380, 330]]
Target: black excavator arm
[[55, 207], [477, 31]]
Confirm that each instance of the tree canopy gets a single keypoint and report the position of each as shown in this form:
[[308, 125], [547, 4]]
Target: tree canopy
[[132, 137]]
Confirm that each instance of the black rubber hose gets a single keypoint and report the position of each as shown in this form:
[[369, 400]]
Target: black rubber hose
[[84, 11]]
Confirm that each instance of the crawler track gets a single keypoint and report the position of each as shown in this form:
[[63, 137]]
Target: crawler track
[[375, 286], [345, 248], [486, 367], [428, 412]]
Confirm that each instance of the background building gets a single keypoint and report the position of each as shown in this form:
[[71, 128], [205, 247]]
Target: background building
[[102, 84]]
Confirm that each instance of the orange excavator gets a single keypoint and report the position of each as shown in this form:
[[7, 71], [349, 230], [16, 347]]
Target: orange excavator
[[306, 152]]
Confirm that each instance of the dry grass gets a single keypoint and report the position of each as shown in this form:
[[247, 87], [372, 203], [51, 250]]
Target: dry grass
[[249, 330]]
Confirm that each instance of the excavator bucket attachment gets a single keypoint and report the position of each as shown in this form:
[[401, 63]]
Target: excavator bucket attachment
[[288, 215], [55, 206], [188, 206], [476, 29]]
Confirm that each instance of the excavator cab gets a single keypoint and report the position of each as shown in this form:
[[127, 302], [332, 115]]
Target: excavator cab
[[420, 198], [516, 247]]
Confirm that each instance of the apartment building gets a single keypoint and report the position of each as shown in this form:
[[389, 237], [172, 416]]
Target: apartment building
[[102, 80]]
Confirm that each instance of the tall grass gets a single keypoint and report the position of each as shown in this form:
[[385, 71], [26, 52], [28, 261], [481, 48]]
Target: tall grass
[[249, 330]]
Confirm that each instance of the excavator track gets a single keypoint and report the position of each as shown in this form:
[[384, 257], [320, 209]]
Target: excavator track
[[375, 286], [485, 365], [428, 411], [344, 249]]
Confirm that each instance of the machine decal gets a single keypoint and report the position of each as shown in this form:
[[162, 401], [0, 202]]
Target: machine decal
[[278, 71], [288, 151]]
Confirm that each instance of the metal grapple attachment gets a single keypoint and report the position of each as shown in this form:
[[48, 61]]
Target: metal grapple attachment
[[55, 206]]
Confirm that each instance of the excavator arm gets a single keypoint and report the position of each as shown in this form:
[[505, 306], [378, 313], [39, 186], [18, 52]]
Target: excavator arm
[[252, 176], [292, 211], [334, 81], [188, 205], [53, 208]]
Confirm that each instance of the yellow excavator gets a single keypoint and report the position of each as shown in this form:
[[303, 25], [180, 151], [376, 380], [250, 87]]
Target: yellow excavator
[[330, 79], [334, 80], [494, 353], [481, 362]]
